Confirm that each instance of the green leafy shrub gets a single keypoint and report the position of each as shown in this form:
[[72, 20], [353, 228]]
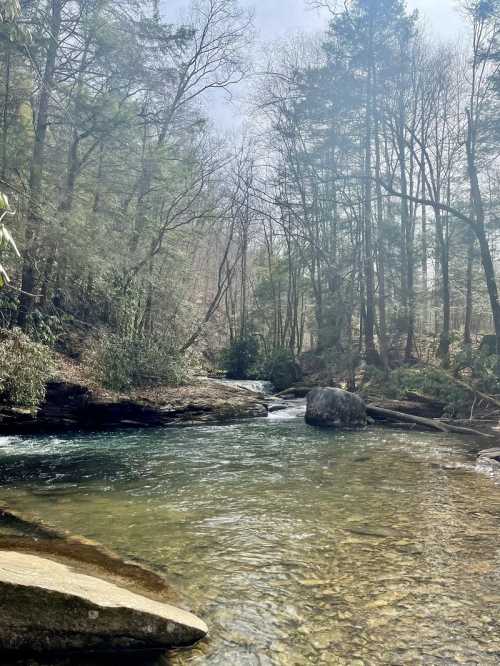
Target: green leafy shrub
[[429, 381], [25, 367], [435, 383], [380, 381], [241, 359], [281, 369], [44, 328], [482, 366], [120, 364]]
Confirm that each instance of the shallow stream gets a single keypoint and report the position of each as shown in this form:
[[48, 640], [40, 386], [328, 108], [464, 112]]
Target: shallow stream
[[297, 546]]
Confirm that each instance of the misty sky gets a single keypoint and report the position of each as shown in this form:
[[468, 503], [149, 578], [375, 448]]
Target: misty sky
[[275, 19]]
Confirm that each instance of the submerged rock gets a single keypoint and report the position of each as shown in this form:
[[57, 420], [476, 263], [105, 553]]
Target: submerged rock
[[277, 407], [490, 455], [49, 606], [335, 408]]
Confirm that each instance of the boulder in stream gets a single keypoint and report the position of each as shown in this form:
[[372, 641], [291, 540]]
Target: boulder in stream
[[335, 408], [49, 606]]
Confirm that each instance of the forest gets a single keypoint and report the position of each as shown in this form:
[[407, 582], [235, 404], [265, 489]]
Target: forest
[[249, 333], [350, 229]]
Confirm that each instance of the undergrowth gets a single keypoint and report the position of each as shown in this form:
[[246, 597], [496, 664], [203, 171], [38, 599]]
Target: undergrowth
[[478, 370]]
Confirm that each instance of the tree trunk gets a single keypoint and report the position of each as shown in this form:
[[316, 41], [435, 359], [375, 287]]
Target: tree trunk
[[372, 356], [407, 269], [433, 424], [468, 290], [479, 228], [38, 166], [380, 254], [444, 340], [5, 111], [424, 247]]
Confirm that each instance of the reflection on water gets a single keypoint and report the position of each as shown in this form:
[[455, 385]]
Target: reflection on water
[[297, 546]]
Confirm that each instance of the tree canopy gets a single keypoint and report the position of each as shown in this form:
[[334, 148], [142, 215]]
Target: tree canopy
[[354, 221]]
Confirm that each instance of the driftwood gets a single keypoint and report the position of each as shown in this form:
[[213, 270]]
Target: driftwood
[[433, 424]]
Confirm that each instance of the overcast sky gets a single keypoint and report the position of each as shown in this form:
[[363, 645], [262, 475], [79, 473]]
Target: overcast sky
[[275, 19]]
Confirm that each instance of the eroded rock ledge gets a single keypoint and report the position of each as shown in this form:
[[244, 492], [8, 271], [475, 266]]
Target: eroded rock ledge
[[70, 406], [46, 605], [60, 592]]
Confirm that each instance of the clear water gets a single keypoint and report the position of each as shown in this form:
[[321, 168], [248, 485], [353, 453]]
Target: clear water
[[297, 546]]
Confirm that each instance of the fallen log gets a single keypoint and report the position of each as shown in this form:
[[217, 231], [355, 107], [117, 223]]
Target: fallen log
[[421, 397], [433, 424], [414, 408]]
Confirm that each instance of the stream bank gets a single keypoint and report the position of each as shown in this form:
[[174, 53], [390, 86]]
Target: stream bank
[[75, 406]]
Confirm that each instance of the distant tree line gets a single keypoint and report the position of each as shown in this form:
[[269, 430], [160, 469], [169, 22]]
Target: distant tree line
[[375, 188], [356, 221]]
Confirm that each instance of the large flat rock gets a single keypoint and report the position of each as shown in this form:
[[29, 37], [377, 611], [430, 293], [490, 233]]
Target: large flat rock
[[46, 605]]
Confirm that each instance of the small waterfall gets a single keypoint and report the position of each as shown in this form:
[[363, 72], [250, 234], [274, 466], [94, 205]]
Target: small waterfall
[[295, 409], [257, 386]]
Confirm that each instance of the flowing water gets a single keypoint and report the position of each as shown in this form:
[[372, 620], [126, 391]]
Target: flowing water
[[255, 385], [297, 546]]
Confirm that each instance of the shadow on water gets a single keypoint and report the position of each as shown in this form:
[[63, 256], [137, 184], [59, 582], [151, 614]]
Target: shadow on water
[[64, 461], [59, 470], [151, 658]]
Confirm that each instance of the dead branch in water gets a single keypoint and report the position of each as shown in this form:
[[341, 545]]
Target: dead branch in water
[[433, 424]]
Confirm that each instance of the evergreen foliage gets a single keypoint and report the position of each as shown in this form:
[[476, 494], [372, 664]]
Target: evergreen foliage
[[25, 367], [357, 219], [241, 359], [120, 364], [281, 369]]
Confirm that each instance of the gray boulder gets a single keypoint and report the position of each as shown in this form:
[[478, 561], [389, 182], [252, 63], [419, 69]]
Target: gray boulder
[[334, 408], [48, 606]]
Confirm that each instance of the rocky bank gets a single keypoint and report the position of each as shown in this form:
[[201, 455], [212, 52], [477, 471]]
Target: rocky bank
[[60, 592], [71, 405]]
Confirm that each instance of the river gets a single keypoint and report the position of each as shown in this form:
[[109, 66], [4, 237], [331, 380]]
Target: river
[[297, 546]]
